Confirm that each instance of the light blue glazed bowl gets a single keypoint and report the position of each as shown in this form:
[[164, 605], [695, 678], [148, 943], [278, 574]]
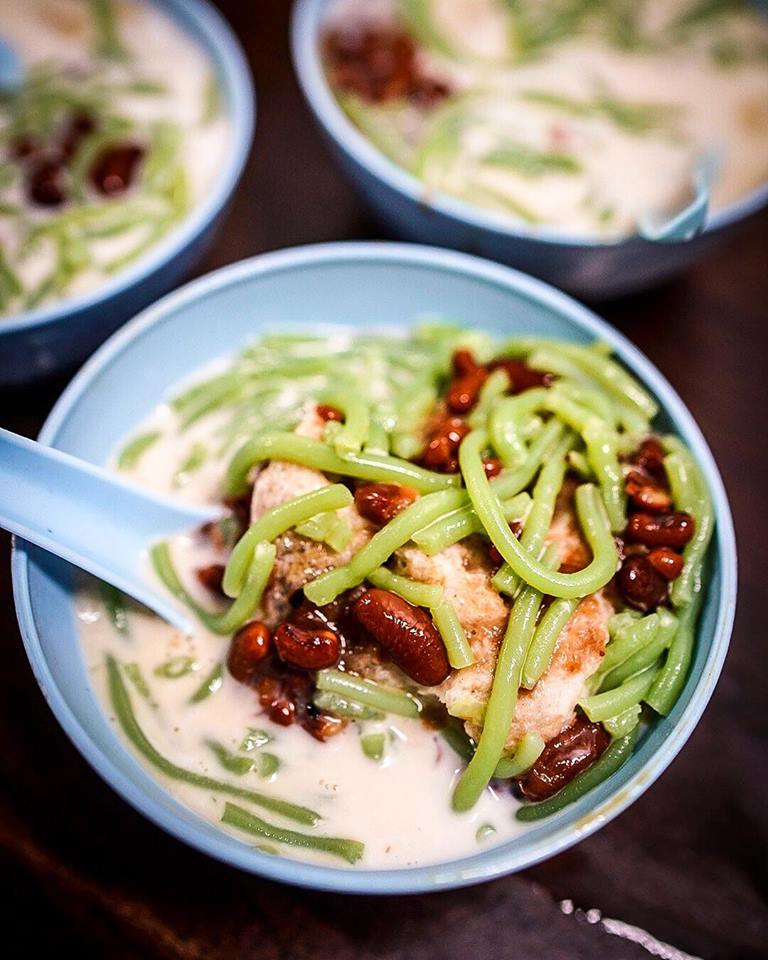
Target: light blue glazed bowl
[[582, 265], [369, 286], [60, 335]]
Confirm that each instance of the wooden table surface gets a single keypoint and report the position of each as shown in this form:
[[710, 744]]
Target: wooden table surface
[[688, 863]]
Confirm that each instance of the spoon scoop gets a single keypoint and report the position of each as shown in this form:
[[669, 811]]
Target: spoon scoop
[[91, 517], [688, 221]]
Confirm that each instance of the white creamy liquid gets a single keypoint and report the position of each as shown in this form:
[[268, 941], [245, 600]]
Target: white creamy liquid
[[624, 175], [399, 807], [60, 33]]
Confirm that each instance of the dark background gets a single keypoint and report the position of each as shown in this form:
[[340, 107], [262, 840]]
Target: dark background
[[83, 873]]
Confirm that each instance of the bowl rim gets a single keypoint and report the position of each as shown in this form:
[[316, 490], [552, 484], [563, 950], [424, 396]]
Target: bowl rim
[[306, 24], [225, 53], [496, 861]]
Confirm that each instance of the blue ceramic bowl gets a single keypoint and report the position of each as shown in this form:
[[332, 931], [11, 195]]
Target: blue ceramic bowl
[[582, 265], [61, 334], [367, 285]]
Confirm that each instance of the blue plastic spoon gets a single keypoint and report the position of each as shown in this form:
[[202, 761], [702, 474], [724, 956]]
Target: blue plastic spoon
[[11, 71], [91, 517], [689, 221]]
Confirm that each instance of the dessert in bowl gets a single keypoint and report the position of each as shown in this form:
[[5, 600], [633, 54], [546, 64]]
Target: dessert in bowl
[[387, 689], [598, 147], [113, 167]]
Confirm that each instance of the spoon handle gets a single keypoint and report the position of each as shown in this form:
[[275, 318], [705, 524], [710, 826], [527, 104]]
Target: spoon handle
[[89, 516], [11, 70]]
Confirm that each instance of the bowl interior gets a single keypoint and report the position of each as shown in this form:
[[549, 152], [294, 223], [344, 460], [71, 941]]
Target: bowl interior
[[205, 25], [364, 285]]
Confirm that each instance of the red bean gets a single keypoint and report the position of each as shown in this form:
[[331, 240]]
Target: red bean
[[443, 446], [464, 391], [640, 584], [563, 758], [47, 183], [250, 646], [114, 170], [326, 412], [381, 502], [381, 64], [645, 494], [322, 725], [664, 530], [521, 376], [285, 697], [307, 645], [212, 577], [277, 699], [26, 148], [650, 456], [407, 633], [282, 711], [463, 362], [666, 562]]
